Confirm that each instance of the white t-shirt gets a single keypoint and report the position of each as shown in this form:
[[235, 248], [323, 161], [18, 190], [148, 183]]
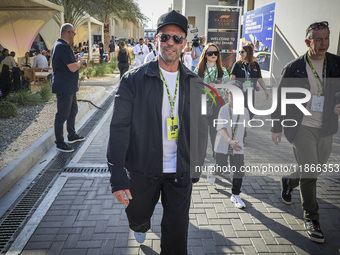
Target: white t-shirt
[[169, 146], [221, 144]]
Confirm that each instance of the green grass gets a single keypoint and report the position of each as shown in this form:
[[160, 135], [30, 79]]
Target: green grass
[[25, 98]]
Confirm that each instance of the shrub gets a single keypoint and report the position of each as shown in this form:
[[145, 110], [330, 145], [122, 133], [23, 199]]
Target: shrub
[[25, 98], [46, 92], [7, 110]]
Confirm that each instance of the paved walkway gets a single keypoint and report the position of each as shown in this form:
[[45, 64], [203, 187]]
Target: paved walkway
[[80, 215]]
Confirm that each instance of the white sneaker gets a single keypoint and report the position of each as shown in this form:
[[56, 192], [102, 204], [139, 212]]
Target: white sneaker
[[237, 201]]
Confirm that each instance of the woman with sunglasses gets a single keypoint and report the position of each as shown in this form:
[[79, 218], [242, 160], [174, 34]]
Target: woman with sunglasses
[[210, 69], [249, 73]]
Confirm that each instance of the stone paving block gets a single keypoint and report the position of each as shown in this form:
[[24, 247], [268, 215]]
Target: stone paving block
[[117, 229], [40, 245], [259, 245], [195, 242], [219, 208], [100, 226], [209, 245], [100, 217], [71, 240], [69, 221], [280, 248], [245, 218], [219, 238], [237, 224], [70, 230], [228, 215], [43, 238], [196, 199], [219, 222], [196, 251], [200, 234], [244, 233], [211, 213], [33, 252], [156, 246], [229, 250], [239, 241], [93, 251], [228, 231], [256, 227], [89, 244], [83, 215], [87, 234], [61, 237], [202, 219], [121, 239], [73, 251], [267, 237], [248, 250], [46, 231], [84, 223], [50, 224], [291, 220]]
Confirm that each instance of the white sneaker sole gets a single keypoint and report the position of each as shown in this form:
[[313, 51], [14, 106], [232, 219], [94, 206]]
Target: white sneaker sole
[[78, 140], [65, 150]]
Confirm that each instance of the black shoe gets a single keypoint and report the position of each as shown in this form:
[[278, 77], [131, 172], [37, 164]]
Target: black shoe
[[286, 192], [314, 231], [75, 138], [64, 147]]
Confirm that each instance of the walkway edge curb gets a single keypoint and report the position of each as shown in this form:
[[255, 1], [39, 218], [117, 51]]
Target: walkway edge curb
[[26, 160]]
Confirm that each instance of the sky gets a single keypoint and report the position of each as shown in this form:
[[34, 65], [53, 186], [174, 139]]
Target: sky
[[153, 9]]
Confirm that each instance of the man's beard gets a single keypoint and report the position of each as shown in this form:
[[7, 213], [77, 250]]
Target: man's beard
[[166, 58]]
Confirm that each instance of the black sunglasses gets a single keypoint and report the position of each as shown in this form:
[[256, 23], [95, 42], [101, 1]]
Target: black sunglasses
[[210, 53], [318, 25], [178, 39], [241, 51]]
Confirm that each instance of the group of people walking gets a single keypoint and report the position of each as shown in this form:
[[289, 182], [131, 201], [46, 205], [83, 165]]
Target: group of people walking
[[158, 135]]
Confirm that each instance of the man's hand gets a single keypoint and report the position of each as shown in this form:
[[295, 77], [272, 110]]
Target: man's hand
[[276, 137], [234, 144], [119, 194], [337, 109]]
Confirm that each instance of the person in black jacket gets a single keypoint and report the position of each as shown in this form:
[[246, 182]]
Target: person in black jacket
[[311, 135], [158, 137]]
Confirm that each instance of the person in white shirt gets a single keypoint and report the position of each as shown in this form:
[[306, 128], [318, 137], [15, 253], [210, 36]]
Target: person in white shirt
[[40, 60], [152, 54], [140, 51], [229, 145], [9, 60]]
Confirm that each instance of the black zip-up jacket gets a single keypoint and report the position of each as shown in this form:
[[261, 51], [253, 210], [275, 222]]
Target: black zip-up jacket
[[135, 142], [297, 70]]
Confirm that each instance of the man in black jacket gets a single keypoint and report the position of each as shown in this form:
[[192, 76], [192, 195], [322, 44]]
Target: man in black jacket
[[157, 137], [318, 72]]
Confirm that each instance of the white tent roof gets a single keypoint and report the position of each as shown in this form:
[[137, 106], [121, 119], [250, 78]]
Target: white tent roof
[[21, 21]]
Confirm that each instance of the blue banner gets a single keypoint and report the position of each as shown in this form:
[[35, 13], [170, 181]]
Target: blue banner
[[258, 29]]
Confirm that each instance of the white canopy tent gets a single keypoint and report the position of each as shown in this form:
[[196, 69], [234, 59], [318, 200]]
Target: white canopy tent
[[51, 32], [21, 21]]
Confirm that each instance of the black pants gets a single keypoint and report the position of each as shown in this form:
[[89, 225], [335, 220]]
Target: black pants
[[236, 161], [67, 110], [123, 68], [175, 197]]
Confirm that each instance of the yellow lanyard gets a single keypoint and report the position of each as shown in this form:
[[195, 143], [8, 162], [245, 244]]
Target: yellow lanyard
[[317, 78], [171, 101]]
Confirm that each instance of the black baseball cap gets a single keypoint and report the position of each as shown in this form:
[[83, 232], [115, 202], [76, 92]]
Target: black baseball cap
[[173, 18]]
